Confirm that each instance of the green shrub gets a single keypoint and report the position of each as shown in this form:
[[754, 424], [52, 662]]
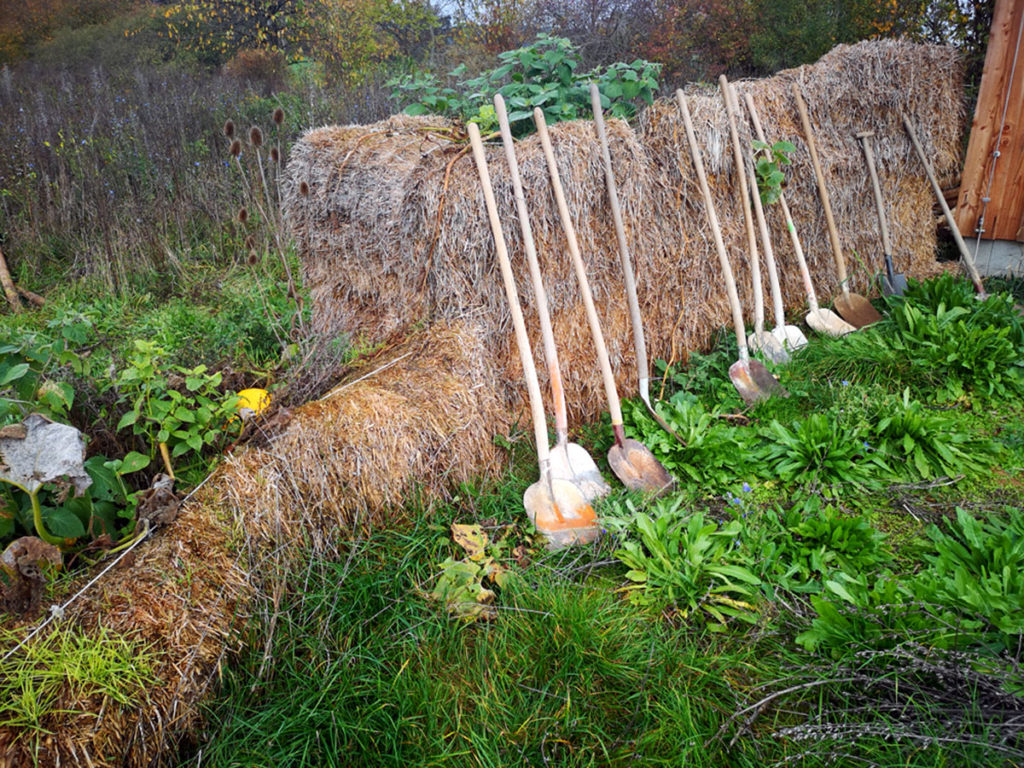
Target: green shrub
[[543, 75]]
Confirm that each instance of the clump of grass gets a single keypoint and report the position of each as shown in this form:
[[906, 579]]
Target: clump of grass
[[66, 671]]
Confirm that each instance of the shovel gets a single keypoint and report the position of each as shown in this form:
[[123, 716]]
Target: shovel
[[628, 278], [791, 337], [556, 507], [760, 340], [569, 461], [895, 283], [824, 321], [854, 308], [631, 461], [751, 379], [972, 268]]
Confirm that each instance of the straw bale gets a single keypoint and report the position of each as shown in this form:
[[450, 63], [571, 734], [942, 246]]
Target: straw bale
[[180, 594], [393, 231], [422, 420]]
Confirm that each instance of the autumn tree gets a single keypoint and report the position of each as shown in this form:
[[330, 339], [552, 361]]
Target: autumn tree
[[27, 23], [348, 36]]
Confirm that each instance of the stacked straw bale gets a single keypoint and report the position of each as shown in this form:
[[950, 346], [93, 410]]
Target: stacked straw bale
[[392, 229]]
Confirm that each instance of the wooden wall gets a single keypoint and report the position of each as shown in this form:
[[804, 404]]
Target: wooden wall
[[1002, 87]]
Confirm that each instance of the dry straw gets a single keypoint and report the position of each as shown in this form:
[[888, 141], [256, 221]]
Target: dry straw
[[392, 233]]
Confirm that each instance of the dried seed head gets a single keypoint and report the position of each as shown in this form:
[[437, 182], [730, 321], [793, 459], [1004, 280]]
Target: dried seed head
[[236, 148], [275, 156], [303, 188], [278, 116], [253, 258], [256, 137], [242, 215], [229, 129], [250, 243]]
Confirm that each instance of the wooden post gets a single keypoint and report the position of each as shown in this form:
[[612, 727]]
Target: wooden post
[[8, 284], [1004, 213]]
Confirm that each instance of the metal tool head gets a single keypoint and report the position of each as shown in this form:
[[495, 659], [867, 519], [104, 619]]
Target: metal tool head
[[559, 512]]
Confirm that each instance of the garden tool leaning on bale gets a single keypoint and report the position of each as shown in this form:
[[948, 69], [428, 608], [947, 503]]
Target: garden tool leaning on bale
[[894, 283], [628, 278], [760, 340], [854, 308], [752, 380], [972, 268], [789, 336], [824, 321], [631, 461], [569, 461], [556, 507]]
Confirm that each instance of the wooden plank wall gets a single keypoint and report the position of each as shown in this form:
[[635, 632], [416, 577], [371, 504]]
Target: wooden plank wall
[[1002, 86]]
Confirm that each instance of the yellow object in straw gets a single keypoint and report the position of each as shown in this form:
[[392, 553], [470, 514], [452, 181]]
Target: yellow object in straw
[[252, 402]]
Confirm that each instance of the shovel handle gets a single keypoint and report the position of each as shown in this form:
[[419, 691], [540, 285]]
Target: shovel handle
[[628, 277], [869, 158], [540, 429], [614, 408], [972, 268], [543, 314], [766, 238], [833, 232], [716, 231], [748, 218], [805, 275]]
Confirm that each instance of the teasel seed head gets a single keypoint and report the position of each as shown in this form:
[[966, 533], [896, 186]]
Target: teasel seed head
[[275, 155], [250, 243], [253, 258], [303, 188], [278, 116], [256, 137], [229, 129], [236, 148], [243, 215]]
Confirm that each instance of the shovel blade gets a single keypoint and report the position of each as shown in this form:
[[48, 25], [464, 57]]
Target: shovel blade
[[792, 338], [894, 286], [571, 462], [638, 469], [856, 310], [767, 345], [828, 323], [754, 382], [560, 513]]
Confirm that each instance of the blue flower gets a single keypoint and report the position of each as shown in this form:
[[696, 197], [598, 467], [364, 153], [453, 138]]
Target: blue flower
[[845, 383], [746, 487], [867, 446]]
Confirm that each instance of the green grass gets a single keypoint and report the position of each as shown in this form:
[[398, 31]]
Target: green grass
[[64, 668]]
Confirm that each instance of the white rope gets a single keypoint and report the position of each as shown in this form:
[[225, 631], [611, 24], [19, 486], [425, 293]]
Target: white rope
[[980, 228], [57, 611], [384, 367]]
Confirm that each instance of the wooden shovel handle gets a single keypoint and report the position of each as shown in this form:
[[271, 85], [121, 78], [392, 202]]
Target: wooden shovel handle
[[540, 428], [833, 233], [876, 188], [972, 268], [748, 218], [543, 314], [766, 238], [614, 408], [805, 274], [628, 277], [716, 230]]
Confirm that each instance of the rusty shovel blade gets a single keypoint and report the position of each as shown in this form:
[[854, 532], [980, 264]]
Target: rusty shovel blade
[[754, 382], [560, 512]]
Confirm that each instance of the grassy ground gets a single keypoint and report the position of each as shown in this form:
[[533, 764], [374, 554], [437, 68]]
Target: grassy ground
[[840, 590]]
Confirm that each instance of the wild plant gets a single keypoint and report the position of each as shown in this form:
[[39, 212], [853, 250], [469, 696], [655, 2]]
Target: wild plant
[[679, 561]]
